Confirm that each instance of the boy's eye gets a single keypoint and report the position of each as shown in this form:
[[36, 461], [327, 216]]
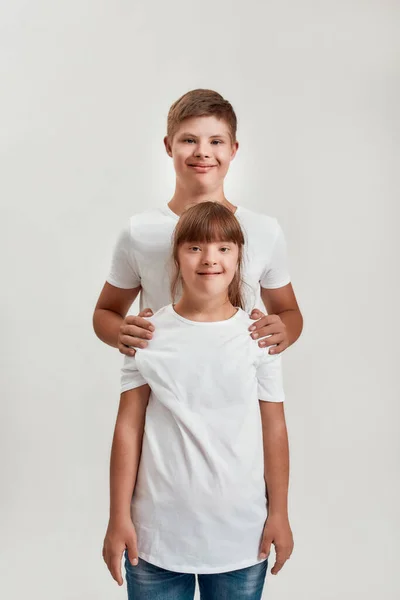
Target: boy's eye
[[217, 142], [188, 140]]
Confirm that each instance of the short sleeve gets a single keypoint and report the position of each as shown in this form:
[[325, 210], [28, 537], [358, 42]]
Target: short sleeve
[[269, 378], [130, 375], [124, 272], [276, 274]]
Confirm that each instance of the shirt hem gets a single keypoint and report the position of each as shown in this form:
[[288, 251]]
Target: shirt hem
[[275, 286], [199, 570], [115, 283]]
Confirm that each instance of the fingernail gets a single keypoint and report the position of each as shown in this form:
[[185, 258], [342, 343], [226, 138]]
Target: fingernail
[[263, 555], [272, 351], [151, 328], [261, 343], [254, 336], [135, 561], [252, 328]]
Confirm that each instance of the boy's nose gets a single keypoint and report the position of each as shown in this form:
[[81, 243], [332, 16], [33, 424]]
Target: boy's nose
[[201, 151]]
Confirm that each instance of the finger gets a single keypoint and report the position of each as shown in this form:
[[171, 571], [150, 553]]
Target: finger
[[139, 322], [271, 340], [278, 565], [279, 348], [125, 350], [265, 547], [135, 331], [146, 312], [256, 314], [133, 555], [115, 568], [128, 340]]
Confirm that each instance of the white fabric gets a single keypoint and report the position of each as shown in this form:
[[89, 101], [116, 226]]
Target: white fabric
[[143, 250], [199, 503]]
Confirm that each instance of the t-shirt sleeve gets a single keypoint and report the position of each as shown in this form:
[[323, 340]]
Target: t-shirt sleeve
[[269, 377], [124, 272], [276, 273], [131, 377]]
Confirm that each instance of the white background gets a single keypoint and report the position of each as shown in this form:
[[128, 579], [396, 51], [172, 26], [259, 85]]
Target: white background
[[85, 90]]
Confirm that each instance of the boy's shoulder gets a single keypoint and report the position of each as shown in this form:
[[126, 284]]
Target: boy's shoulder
[[150, 217], [253, 217]]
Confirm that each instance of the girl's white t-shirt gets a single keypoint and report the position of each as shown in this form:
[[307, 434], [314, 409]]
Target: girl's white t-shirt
[[199, 503]]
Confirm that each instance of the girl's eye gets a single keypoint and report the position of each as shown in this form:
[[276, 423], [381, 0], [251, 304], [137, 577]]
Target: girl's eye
[[217, 142], [225, 248], [188, 140], [194, 248]]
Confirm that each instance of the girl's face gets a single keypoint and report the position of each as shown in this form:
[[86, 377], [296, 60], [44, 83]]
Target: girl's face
[[207, 269]]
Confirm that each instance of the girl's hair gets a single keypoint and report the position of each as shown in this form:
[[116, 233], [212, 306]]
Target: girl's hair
[[209, 222], [201, 103]]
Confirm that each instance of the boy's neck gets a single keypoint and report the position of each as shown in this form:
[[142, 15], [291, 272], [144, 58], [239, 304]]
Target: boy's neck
[[184, 197], [204, 309]]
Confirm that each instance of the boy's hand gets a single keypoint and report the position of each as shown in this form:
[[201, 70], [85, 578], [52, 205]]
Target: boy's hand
[[273, 326], [133, 331], [119, 536], [277, 531]]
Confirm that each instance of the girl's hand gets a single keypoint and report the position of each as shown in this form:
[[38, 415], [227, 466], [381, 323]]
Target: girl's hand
[[273, 326], [120, 535], [133, 331], [277, 531]]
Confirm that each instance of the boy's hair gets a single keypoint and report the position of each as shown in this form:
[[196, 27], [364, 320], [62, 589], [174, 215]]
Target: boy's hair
[[209, 222], [201, 103]]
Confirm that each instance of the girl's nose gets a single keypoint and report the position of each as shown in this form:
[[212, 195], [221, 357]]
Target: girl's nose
[[209, 262]]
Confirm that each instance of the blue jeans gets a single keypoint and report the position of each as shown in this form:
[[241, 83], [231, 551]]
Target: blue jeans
[[149, 582]]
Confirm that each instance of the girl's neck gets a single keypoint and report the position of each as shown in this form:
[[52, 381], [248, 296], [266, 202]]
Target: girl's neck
[[205, 309], [185, 196]]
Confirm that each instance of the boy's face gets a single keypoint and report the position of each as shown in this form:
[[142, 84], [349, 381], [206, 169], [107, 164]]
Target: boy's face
[[202, 151]]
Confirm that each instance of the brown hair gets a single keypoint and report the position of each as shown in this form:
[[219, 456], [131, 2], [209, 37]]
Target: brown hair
[[201, 103], [209, 222]]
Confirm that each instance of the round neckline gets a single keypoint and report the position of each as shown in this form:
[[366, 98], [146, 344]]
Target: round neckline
[[171, 309], [171, 213]]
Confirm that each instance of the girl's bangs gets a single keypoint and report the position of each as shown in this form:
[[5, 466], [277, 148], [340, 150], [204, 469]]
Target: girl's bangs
[[209, 231]]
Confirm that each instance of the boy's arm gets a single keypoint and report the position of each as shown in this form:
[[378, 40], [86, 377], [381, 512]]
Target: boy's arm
[[276, 474], [110, 324], [125, 458]]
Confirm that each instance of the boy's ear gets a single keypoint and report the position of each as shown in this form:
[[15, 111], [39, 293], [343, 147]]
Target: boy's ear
[[167, 146], [235, 148]]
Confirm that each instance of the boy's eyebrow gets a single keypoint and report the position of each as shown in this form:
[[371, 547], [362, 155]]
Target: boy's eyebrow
[[211, 136]]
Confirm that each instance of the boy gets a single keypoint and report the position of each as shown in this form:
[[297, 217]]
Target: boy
[[201, 140]]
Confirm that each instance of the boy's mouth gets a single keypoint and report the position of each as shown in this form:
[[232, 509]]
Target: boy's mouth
[[201, 168]]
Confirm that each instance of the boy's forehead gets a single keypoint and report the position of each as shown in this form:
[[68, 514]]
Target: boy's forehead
[[208, 126]]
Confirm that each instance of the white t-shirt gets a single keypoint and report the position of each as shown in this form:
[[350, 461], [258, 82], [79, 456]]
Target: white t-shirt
[[199, 504], [142, 256]]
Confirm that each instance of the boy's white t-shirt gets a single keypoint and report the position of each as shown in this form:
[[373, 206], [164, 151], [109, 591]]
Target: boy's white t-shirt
[[142, 256], [199, 503]]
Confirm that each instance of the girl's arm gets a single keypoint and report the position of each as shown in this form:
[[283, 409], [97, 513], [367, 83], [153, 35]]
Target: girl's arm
[[276, 457], [124, 464], [126, 449], [276, 473]]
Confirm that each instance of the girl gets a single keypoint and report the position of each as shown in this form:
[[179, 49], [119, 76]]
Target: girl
[[193, 410]]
